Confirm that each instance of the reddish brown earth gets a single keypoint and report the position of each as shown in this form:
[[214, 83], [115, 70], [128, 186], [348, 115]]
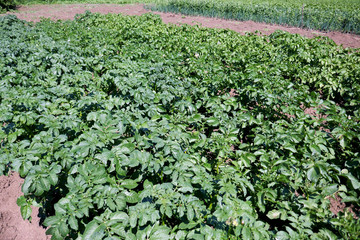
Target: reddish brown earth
[[12, 226], [336, 206], [68, 11]]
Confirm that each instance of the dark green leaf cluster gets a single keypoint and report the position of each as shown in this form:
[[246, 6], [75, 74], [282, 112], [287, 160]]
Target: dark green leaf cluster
[[127, 128], [323, 15], [6, 5]]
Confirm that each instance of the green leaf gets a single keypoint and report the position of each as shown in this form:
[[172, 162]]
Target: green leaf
[[160, 233], [147, 184], [133, 220], [52, 220], [195, 118], [190, 225], [120, 216], [131, 197], [53, 178], [12, 137], [26, 185], [186, 189], [354, 182], [290, 147], [350, 199], [45, 184], [94, 231], [120, 202], [180, 235], [261, 201], [315, 148], [73, 223], [25, 211], [342, 142], [249, 157], [129, 184], [63, 228], [259, 139], [323, 148], [55, 234], [281, 235], [329, 235], [125, 148], [273, 214], [190, 213], [21, 201], [111, 204], [329, 190], [212, 121], [246, 233], [313, 174]]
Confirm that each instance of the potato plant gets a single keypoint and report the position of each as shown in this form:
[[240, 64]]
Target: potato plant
[[127, 128], [6, 5], [326, 15]]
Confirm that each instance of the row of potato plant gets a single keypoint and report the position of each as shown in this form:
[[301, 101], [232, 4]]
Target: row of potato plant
[[127, 128], [326, 15]]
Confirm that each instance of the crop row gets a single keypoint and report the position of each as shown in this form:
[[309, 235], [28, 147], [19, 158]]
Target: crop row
[[326, 15], [127, 128]]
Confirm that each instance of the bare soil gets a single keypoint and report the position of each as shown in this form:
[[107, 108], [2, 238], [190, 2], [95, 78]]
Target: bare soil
[[12, 226], [336, 206], [68, 11]]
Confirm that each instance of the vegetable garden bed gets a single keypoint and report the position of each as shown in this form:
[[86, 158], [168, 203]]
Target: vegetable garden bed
[[127, 128]]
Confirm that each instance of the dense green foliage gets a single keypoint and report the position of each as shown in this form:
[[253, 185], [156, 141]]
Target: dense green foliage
[[325, 15], [6, 5], [126, 128]]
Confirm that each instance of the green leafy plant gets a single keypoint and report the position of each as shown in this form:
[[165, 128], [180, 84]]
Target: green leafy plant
[[127, 128], [6, 5], [322, 14]]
